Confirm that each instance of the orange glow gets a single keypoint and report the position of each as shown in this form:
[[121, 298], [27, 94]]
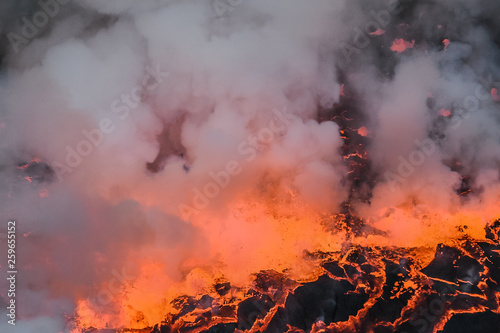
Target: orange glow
[[377, 32], [494, 94], [446, 42], [363, 131], [400, 45], [445, 113], [268, 224], [258, 233]]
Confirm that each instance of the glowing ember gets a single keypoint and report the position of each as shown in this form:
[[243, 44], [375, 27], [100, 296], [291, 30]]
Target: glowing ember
[[400, 45], [363, 131], [377, 32], [445, 113], [446, 43], [494, 94]]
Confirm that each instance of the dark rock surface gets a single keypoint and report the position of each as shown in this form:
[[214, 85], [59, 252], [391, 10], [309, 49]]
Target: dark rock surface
[[381, 290]]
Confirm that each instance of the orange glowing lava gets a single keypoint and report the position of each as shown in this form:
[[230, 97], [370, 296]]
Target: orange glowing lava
[[400, 45]]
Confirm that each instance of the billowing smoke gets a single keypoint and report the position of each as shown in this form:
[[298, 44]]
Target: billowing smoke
[[149, 148]]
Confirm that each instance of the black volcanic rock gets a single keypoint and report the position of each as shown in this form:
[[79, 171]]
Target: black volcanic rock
[[426, 314], [482, 322], [357, 256], [389, 305], [351, 271], [325, 299], [442, 266], [251, 309], [221, 328], [278, 323], [222, 288], [161, 329], [269, 279], [334, 268], [493, 231], [492, 263], [450, 264]]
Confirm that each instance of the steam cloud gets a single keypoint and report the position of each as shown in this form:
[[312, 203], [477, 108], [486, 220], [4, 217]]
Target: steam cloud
[[184, 144]]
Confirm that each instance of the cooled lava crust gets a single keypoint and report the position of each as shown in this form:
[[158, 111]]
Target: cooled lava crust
[[379, 290]]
